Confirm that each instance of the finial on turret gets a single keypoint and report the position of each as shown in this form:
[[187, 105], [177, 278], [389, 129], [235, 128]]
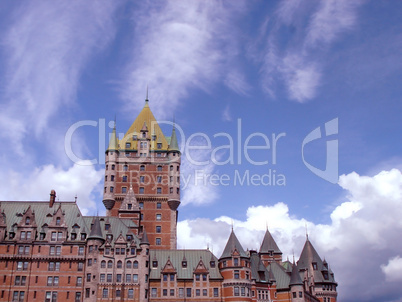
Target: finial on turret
[[146, 99]]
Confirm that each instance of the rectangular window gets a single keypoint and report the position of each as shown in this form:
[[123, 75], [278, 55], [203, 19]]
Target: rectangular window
[[118, 278], [141, 190], [28, 235], [109, 277], [205, 292], [197, 292], [158, 217], [236, 274], [158, 229], [181, 292], [165, 292], [188, 292], [236, 290], [102, 278], [158, 190], [128, 278], [22, 235], [59, 236], [80, 266], [158, 241], [135, 278], [53, 236], [130, 293], [105, 293], [172, 292], [153, 292]]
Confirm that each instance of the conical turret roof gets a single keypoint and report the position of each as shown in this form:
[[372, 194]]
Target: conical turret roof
[[113, 143], [144, 239], [96, 230], [174, 146], [295, 276], [232, 245], [269, 244]]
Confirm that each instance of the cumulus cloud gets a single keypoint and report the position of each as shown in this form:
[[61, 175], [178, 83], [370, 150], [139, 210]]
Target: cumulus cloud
[[81, 180], [362, 238], [181, 46]]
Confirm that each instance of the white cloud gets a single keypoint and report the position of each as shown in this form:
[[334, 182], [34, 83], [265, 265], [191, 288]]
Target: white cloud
[[81, 180], [226, 115], [181, 46], [393, 269], [363, 234], [46, 48]]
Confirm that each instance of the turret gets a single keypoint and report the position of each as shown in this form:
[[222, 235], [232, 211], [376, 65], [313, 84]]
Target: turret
[[296, 285], [269, 250], [112, 153]]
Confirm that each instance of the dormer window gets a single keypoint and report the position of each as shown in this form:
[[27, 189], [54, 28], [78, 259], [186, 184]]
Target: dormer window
[[212, 263], [129, 206], [154, 137], [154, 263], [314, 265], [83, 236], [128, 145], [58, 221], [184, 264], [109, 237], [27, 220], [142, 168], [107, 226], [159, 145], [134, 136], [144, 135]]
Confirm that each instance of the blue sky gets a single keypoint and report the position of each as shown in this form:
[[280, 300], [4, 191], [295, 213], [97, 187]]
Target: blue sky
[[282, 68]]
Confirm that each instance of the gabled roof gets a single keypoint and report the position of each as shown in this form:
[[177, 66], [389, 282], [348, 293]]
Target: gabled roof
[[176, 257], [258, 271], [269, 244], [130, 199], [281, 277], [233, 245]]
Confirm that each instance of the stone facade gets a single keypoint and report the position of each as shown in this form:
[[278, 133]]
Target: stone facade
[[50, 252]]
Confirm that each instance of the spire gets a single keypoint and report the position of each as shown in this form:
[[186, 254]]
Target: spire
[[146, 99], [174, 146], [96, 230], [113, 143], [269, 244], [232, 245]]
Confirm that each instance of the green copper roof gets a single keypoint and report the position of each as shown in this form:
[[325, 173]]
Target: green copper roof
[[176, 257], [173, 144]]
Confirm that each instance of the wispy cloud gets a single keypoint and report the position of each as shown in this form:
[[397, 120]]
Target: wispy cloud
[[47, 46], [365, 225], [310, 29], [181, 46], [226, 115]]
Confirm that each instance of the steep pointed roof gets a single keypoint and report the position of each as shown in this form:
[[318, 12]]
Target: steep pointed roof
[[232, 245], [295, 277], [311, 261], [174, 146], [144, 239], [146, 117], [96, 230], [269, 244], [113, 143]]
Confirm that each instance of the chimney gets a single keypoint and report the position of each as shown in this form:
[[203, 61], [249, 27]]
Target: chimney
[[52, 198]]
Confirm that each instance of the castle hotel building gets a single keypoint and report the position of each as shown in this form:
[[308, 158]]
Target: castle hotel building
[[50, 252]]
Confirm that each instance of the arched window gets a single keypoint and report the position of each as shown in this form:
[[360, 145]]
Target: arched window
[[135, 264], [110, 264], [142, 168], [103, 264], [128, 264], [119, 264], [27, 220]]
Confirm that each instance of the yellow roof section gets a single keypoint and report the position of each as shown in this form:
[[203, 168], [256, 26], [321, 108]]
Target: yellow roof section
[[146, 116]]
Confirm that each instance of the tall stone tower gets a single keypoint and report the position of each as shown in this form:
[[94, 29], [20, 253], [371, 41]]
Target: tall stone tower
[[142, 179]]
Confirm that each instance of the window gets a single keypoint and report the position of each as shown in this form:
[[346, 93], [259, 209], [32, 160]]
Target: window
[[130, 293], [204, 277], [171, 168], [58, 221], [135, 264], [111, 189], [159, 145], [188, 292], [236, 274], [154, 263], [184, 263], [212, 263], [88, 277], [112, 177], [59, 236], [243, 291], [135, 278], [103, 264], [80, 266], [125, 168], [159, 179], [113, 167], [102, 278], [301, 295], [158, 190], [124, 190], [197, 292], [141, 190], [118, 293], [81, 250], [58, 250], [165, 292], [125, 178], [158, 229], [197, 277], [128, 264], [27, 220], [315, 265], [110, 264], [109, 278], [89, 262], [158, 205], [128, 145], [153, 292], [107, 251], [171, 277], [128, 278], [118, 278], [171, 190], [236, 290], [105, 293], [158, 217], [119, 264], [159, 168], [79, 281], [236, 261], [205, 292], [53, 236], [142, 179], [142, 168]]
